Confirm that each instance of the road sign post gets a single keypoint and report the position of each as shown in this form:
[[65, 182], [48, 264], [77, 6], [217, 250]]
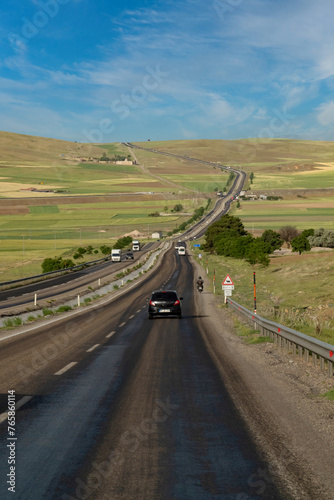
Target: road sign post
[[227, 286]]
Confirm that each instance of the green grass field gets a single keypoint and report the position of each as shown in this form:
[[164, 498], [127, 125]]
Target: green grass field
[[44, 229], [295, 290], [302, 213], [317, 180]]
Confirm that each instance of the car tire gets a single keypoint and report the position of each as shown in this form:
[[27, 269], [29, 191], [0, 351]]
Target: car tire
[[180, 316], [150, 316]]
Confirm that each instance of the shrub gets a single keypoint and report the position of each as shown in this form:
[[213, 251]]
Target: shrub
[[64, 308], [8, 323], [47, 312], [55, 264]]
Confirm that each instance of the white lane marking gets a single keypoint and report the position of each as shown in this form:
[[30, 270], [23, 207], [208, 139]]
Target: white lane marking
[[138, 311], [23, 401], [132, 316], [92, 348], [122, 324], [67, 367], [110, 334]]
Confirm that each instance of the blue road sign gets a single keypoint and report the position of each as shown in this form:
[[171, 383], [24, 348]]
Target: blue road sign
[[197, 245]]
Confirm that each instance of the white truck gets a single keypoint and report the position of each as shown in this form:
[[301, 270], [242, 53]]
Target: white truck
[[181, 250], [135, 246], [116, 254]]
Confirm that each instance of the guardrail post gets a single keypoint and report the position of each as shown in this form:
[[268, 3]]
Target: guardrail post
[[300, 351], [314, 359], [330, 368], [307, 355], [322, 363], [78, 300], [35, 299]]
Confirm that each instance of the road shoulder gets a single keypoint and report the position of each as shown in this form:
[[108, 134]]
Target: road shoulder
[[278, 397]]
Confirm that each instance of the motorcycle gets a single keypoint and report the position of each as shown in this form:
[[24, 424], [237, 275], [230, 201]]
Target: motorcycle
[[200, 288]]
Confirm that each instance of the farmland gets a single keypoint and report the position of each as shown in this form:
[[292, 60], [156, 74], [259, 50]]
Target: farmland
[[96, 202]]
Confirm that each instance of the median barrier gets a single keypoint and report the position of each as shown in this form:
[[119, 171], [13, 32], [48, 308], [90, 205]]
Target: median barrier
[[291, 340]]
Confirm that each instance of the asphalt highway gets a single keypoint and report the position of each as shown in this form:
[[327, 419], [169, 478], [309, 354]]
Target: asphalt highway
[[121, 407], [50, 288]]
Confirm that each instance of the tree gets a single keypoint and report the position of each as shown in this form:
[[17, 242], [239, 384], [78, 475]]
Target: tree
[[105, 249], [228, 225], [123, 242], [55, 264], [178, 208], [308, 232], [272, 238], [322, 238], [287, 234], [300, 244], [257, 252]]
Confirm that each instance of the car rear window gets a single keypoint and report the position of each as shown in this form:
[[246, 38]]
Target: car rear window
[[164, 296]]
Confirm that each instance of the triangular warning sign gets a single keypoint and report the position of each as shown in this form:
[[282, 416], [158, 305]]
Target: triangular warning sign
[[228, 280]]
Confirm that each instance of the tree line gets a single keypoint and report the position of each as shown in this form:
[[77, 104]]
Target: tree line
[[228, 237]]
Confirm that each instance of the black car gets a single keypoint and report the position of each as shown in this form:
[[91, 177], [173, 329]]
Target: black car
[[129, 256], [164, 303]]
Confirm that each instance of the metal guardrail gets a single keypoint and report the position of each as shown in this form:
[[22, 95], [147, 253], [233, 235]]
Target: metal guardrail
[[58, 271], [290, 339]]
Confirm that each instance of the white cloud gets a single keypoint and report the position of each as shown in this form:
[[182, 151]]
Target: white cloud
[[325, 113]]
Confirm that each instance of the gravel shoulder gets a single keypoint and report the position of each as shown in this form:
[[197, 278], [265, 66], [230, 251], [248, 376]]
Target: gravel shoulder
[[278, 397]]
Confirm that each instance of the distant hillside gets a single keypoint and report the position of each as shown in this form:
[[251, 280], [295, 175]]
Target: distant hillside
[[269, 153], [18, 148]]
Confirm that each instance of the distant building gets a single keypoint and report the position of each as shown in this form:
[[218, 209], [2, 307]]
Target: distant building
[[157, 235], [124, 162]]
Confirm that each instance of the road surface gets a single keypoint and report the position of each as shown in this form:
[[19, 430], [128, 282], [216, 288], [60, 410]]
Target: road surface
[[126, 408]]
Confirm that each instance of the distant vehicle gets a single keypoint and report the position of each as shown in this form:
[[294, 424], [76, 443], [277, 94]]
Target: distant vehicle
[[181, 250], [129, 256], [180, 244], [135, 246], [164, 303], [116, 255]]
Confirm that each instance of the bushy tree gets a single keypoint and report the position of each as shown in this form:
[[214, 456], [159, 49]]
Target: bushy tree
[[273, 239], [257, 252], [55, 264], [227, 225], [322, 238], [308, 232], [105, 249], [178, 208], [300, 244], [123, 242]]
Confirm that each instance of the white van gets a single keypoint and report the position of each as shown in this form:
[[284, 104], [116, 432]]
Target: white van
[[181, 251]]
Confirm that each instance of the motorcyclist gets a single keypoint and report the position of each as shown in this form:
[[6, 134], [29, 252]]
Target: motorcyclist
[[199, 282]]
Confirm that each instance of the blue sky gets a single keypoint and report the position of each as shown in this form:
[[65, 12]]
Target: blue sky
[[102, 71]]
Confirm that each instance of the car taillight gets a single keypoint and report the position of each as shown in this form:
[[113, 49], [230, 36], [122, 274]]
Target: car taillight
[[152, 303], [176, 303]]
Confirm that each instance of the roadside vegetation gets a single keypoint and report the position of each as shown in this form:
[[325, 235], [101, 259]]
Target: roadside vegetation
[[294, 290]]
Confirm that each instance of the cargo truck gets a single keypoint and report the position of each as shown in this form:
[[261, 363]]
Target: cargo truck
[[116, 255], [135, 246]]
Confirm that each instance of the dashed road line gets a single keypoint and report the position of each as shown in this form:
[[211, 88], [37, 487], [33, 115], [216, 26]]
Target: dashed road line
[[19, 404], [138, 311], [92, 348], [132, 316], [122, 324], [110, 334], [67, 367]]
